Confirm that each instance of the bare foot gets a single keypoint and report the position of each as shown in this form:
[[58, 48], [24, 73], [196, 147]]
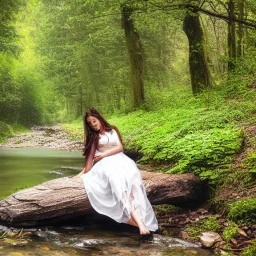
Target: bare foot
[[143, 230]]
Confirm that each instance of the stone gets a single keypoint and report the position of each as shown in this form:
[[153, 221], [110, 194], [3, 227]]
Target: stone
[[233, 241], [184, 235], [241, 232], [208, 239]]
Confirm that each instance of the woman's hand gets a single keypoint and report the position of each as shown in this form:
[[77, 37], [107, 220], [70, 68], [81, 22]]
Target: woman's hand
[[98, 158], [79, 174]]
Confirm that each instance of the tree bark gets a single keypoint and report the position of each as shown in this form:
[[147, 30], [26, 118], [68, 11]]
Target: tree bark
[[65, 198], [231, 35], [199, 71], [134, 48], [240, 32]]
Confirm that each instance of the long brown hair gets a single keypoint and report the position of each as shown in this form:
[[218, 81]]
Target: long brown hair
[[91, 137]]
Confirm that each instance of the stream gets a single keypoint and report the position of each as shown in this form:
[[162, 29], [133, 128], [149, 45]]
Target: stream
[[26, 167]]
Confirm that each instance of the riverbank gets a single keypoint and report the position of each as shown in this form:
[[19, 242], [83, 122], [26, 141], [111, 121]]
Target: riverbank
[[187, 223], [43, 136]]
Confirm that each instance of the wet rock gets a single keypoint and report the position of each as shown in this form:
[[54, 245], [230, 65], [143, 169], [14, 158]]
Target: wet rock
[[208, 239]]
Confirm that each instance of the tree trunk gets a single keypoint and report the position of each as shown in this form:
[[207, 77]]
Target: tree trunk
[[240, 32], [199, 71], [231, 35], [65, 198], [134, 48]]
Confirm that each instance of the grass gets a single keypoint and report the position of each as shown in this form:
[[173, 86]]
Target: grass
[[243, 211]]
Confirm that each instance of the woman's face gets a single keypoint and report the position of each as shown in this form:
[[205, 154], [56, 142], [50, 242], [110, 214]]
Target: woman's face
[[94, 123]]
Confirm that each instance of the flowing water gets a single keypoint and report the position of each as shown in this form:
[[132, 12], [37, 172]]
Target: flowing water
[[25, 167]]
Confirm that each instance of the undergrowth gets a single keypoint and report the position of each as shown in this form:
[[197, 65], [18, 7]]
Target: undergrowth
[[243, 211], [6, 131], [194, 230], [193, 134]]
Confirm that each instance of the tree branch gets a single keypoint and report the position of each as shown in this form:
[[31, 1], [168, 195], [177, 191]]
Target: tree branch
[[248, 23]]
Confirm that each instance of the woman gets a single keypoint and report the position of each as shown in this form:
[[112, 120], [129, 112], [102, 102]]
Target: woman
[[112, 181]]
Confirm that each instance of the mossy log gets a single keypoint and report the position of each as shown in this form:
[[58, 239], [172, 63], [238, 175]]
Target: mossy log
[[65, 198]]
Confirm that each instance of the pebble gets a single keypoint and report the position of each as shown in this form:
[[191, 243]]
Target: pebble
[[184, 235], [233, 241], [208, 239], [241, 232]]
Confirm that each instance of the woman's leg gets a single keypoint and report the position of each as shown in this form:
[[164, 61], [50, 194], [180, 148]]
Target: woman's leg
[[135, 220]]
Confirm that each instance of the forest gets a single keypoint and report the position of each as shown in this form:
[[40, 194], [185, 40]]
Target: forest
[[177, 77]]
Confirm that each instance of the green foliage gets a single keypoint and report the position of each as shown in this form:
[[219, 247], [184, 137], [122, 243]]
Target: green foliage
[[195, 229], [30, 109], [243, 211], [189, 137], [251, 160], [251, 250], [9, 91], [229, 231], [6, 131], [74, 130], [165, 209]]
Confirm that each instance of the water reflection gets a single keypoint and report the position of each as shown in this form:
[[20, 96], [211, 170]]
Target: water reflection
[[26, 167]]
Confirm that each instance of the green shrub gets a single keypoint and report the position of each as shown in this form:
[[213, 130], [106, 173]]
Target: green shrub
[[229, 231], [189, 139], [243, 211], [6, 131], [251, 160]]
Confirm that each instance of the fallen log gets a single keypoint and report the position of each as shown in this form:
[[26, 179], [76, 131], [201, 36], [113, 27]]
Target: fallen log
[[65, 198]]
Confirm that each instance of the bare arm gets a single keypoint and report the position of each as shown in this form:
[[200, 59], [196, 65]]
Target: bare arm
[[89, 162], [112, 151]]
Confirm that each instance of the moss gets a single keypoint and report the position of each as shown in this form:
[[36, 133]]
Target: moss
[[251, 160], [229, 231], [194, 230], [165, 209], [243, 211]]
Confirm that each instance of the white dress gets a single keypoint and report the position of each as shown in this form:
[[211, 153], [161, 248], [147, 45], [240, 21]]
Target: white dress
[[114, 186]]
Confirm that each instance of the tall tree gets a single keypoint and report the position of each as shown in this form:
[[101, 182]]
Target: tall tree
[[240, 32], [197, 58], [231, 35], [134, 48]]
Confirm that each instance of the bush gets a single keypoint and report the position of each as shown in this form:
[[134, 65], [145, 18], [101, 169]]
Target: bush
[[229, 231], [6, 131], [243, 211], [188, 139]]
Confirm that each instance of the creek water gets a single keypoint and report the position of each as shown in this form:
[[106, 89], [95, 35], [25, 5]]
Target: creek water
[[25, 167]]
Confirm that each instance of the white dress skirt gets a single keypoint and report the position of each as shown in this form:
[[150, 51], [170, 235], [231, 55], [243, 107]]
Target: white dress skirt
[[114, 186]]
